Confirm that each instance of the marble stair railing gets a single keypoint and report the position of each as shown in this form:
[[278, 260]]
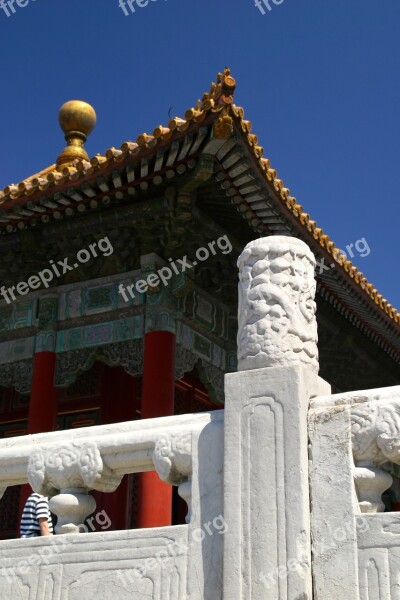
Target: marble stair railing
[[369, 422], [67, 465], [354, 449]]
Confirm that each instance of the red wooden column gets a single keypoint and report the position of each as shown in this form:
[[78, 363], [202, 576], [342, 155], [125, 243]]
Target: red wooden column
[[119, 405], [155, 496], [43, 402], [44, 396]]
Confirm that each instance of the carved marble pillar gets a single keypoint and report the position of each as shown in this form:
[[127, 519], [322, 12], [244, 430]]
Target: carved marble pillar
[[277, 325], [266, 499]]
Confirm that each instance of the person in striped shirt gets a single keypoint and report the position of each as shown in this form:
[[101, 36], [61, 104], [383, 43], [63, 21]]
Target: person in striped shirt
[[36, 517]]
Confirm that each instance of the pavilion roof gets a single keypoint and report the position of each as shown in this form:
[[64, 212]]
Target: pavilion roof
[[52, 190]]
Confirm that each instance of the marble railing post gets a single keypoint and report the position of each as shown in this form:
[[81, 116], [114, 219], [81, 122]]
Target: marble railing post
[[72, 506], [266, 497]]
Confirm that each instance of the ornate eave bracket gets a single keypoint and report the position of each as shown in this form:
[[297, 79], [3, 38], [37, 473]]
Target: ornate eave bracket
[[71, 364], [185, 361], [213, 379], [17, 375], [211, 376]]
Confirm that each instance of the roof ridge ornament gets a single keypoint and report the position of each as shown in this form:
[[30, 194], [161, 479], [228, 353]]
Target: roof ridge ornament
[[77, 119], [221, 93]]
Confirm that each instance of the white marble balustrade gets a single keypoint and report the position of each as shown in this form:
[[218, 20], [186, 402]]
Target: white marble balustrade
[[66, 465], [165, 563]]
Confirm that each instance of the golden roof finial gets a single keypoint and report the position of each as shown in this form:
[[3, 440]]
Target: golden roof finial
[[77, 119]]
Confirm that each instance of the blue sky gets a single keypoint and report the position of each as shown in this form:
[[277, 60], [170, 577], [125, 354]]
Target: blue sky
[[319, 79]]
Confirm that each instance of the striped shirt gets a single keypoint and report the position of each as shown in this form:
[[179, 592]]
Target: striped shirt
[[36, 506]]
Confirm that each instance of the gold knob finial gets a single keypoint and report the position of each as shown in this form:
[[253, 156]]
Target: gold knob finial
[[77, 119]]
